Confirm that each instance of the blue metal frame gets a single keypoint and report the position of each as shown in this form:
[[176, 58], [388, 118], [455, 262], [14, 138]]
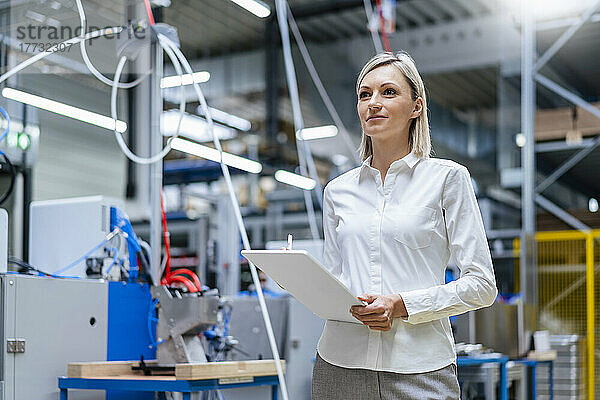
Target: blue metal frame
[[164, 385], [470, 361], [128, 330], [189, 171], [532, 365]]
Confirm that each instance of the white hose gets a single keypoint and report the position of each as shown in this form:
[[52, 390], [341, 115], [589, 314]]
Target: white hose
[[113, 111], [146, 247], [58, 46], [304, 155], [374, 34], [88, 62], [320, 88], [238, 216], [176, 55]]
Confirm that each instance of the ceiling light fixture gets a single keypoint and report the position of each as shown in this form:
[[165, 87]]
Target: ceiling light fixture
[[227, 119], [317, 132], [256, 7], [192, 127], [209, 153], [66, 110], [295, 180]]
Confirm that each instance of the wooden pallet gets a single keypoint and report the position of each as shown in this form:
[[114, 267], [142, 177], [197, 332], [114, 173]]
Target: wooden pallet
[[212, 370]]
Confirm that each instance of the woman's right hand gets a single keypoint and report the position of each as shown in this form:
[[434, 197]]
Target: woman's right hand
[[380, 311]]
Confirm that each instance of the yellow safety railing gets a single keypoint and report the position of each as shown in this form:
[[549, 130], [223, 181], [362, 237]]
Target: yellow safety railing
[[568, 289]]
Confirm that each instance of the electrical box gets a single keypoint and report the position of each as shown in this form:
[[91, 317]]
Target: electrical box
[[61, 231], [47, 323], [3, 240]]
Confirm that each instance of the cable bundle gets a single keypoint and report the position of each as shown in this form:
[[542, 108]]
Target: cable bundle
[[178, 59], [178, 275]]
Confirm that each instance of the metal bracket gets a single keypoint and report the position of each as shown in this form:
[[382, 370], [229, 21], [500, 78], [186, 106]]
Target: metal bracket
[[15, 345], [180, 349]]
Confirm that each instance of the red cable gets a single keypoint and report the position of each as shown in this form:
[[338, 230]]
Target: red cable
[[149, 12], [170, 276], [384, 36], [165, 235], [178, 278], [192, 274]]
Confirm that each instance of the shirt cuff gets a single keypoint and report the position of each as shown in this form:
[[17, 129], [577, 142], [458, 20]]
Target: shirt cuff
[[416, 302]]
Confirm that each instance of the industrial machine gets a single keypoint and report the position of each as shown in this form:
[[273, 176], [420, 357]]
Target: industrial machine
[[181, 321], [83, 237], [47, 323], [3, 239]]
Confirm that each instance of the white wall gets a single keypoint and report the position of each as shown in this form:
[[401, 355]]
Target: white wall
[[75, 158]]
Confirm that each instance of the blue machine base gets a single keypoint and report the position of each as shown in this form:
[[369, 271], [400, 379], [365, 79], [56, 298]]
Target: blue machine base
[[128, 338]]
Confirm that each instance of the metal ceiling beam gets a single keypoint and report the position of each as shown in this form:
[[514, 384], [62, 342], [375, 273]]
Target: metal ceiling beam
[[411, 14], [573, 184], [341, 27], [317, 30], [567, 165], [434, 13], [564, 38], [475, 37], [315, 9], [546, 147], [562, 23], [324, 7], [574, 159], [354, 20], [475, 8], [566, 94], [449, 9], [560, 213]]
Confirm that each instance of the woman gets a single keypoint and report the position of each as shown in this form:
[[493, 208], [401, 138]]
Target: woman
[[390, 228]]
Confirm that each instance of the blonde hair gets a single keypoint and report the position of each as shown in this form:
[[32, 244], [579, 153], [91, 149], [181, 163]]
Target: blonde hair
[[419, 141]]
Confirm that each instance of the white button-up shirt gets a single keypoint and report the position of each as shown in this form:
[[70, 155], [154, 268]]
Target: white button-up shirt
[[397, 237]]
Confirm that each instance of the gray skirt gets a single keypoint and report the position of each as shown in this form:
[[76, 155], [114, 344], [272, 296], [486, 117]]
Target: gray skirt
[[330, 382]]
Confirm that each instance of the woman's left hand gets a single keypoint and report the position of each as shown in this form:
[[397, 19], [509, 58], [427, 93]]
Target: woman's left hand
[[380, 311]]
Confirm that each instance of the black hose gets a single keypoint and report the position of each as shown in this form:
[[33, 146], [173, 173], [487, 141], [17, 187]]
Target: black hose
[[13, 178]]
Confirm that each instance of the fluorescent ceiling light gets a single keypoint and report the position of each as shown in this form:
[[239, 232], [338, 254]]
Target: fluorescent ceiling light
[[227, 119], [213, 154], [64, 109], [256, 7], [192, 127], [318, 132], [295, 180], [188, 79]]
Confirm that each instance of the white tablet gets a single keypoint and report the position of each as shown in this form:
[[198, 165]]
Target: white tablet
[[308, 281]]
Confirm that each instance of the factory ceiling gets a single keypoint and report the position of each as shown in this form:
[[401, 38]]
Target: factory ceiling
[[211, 29]]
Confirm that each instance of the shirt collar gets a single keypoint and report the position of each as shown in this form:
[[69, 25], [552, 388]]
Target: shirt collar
[[410, 160]]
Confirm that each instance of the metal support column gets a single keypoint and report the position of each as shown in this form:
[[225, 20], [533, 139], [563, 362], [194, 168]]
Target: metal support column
[[272, 81], [573, 98], [528, 275], [141, 109], [529, 73], [156, 168], [575, 158], [560, 213]]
